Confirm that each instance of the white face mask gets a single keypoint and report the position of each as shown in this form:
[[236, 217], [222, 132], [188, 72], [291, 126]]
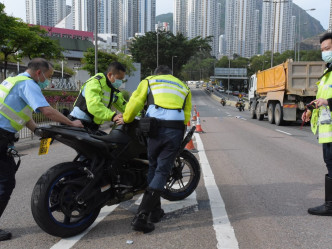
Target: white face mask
[[327, 56]]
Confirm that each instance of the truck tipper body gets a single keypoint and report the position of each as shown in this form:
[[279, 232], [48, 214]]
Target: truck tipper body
[[281, 92]]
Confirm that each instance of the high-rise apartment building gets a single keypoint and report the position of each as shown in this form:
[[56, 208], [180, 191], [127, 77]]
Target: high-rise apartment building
[[278, 26], [108, 18], [241, 28], [195, 18], [124, 18], [146, 15], [81, 19], [180, 17], [47, 12]]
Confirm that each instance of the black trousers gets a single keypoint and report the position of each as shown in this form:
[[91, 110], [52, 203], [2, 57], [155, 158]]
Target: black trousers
[[327, 155], [8, 169]]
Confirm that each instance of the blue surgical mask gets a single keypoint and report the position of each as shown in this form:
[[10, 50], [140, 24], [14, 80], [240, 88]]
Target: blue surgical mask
[[44, 84], [327, 56], [117, 83]]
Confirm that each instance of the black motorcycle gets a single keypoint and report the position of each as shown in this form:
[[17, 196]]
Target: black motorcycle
[[223, 101], [108, 169], [240, 105]]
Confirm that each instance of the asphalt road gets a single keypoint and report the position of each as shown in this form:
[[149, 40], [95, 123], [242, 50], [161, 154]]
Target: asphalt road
[[267, 175]]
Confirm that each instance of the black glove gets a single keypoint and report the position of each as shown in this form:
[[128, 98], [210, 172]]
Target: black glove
[[38, 132]]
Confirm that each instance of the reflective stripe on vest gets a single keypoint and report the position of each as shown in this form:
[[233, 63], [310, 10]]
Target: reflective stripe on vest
[[17, 119], [168, 92]]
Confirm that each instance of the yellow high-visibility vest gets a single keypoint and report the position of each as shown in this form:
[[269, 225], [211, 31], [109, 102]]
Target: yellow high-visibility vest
[[17, 119], [168, 91], [325, 92]]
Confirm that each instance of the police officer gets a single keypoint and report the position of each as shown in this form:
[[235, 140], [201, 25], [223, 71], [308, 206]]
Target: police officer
[[19, 97], [320, 113], [97, 95], [169, 106]]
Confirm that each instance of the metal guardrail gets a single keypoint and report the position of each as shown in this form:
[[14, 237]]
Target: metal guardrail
[[42, 120]]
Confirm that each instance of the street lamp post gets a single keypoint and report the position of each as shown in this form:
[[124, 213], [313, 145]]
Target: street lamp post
[[299, 44], [157, 48], [96, 37], [172, 63], [229, 68]]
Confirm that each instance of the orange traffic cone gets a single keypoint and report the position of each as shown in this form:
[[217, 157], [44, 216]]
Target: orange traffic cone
[[190, 145], [194, 118], [198, 125]]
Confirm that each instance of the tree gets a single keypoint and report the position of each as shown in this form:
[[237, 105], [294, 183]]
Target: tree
[[17, 37], [41, 45], [104, 59], [199, 67], [144, 50]]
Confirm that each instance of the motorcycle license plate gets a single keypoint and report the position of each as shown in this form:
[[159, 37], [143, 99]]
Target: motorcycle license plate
[[44, 146]]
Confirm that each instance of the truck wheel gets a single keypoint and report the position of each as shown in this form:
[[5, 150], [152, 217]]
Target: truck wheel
[[270, 113], [252, 111], [259, 116], [278, 117]]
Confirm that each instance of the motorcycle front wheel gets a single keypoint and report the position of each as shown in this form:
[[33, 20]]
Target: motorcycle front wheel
[[53, 205], [184, 177]]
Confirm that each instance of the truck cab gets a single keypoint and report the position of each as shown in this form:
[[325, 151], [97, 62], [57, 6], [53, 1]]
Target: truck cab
[[252, 87]]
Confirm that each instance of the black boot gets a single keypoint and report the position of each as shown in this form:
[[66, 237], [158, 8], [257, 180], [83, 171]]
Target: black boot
[[156, 213], [5, 235], [326, 208], [140, 221]]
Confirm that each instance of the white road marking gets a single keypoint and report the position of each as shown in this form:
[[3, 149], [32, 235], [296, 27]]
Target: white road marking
[[284, 132], [69, 242], [224, 231]]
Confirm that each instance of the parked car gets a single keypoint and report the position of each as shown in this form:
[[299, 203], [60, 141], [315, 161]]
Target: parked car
[[236, 93], [229, 91]]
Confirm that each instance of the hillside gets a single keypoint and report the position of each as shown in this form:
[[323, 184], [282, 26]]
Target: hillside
[[166, 18]]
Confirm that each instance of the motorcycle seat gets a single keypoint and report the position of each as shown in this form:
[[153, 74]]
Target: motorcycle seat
[[116, 136]]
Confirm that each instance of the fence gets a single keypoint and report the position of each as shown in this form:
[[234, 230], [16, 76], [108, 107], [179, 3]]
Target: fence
[[42, 120]]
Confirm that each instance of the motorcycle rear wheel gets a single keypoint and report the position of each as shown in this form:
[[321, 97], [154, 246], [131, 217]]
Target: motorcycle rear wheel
[[52, 202], [184, 177]]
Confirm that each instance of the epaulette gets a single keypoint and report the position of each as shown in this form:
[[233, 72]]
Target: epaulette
[[98, 77]]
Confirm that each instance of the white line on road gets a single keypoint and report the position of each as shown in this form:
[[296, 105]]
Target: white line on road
[[284, 132], [224, 231], [69, 242]]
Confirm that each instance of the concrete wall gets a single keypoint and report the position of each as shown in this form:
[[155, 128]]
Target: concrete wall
[[134, 80]]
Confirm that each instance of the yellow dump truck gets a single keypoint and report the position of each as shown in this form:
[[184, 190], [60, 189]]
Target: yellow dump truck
[[281, 92]]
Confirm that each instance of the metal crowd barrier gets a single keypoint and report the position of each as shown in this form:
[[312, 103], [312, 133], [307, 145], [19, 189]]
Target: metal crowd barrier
[[41, 120]]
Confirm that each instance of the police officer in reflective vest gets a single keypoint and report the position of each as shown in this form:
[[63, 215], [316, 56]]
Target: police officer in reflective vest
[[97, 95], [169, 107], [320, 113], [19, 97]]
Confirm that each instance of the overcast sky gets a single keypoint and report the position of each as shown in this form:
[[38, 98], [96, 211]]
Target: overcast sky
[[321, 13]]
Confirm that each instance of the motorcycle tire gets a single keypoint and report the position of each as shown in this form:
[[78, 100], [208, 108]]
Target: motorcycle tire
[[52, 205], [182, 183]]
